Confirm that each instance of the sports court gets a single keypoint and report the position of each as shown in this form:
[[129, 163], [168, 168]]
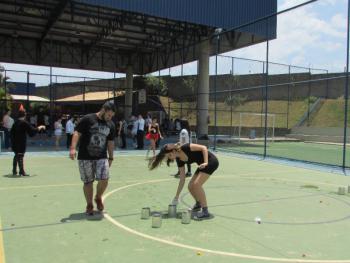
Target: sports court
[[263, 84], [43, 217]]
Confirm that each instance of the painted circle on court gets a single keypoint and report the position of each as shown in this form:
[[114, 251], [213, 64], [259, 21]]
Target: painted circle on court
[[194, 248]]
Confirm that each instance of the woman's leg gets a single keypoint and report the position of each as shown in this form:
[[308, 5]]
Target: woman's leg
[[198, 182], [153, 147], [192, 190]]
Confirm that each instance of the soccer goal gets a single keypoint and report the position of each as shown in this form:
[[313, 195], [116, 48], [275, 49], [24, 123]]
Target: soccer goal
[[251, 126]]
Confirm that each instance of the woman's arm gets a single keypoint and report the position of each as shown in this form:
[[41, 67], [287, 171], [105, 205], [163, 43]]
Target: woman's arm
[[181, 182]]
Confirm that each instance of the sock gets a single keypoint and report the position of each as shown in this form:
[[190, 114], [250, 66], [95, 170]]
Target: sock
[[197, 205]]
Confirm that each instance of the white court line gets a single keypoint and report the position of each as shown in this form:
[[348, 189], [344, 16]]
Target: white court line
[[233, 176], [217, 252]]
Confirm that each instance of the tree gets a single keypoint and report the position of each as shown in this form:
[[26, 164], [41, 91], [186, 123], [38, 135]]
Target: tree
[[4, 95], [156, 85], [235, 101], [190, 83]]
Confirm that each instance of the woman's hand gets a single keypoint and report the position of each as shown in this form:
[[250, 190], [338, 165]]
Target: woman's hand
[[202, 166], [175, 201]]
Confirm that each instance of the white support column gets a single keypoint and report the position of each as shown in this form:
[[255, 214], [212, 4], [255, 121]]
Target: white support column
[[203, 89], [128, 92]]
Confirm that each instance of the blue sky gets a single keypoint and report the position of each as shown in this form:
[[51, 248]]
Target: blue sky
[[311, 36]]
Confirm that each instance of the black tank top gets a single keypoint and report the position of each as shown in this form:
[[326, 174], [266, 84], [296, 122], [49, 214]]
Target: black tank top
[[154, 129], [193, 156]]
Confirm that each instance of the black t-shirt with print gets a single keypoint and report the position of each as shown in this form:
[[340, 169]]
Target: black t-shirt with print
[[95, 134]]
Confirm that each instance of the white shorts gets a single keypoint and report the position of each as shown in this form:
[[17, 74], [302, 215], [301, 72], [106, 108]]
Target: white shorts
[[91, 170]]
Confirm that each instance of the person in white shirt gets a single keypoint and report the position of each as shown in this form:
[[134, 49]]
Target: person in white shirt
[[7, 123], [140, 124], [70, 130], [185, 138], [58, 131]]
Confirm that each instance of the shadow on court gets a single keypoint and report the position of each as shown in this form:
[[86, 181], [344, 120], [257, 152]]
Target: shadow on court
[[82, 216], [18, 176]]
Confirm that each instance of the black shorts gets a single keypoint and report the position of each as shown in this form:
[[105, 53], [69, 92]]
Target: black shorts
[[213, 164]]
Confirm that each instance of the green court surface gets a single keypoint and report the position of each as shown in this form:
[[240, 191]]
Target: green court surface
[[330, 154], [303, 219]]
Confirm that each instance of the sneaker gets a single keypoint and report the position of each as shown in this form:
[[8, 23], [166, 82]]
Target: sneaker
[[188, 174], [203, 216], [14, 173], [90, 210], [99, 204], [24, 174]]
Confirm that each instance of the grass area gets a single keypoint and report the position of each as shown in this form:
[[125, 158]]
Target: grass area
[[331, 114], [312, 152], [278, 107]]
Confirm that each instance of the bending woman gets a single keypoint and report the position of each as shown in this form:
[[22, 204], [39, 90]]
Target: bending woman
[[187, 154]]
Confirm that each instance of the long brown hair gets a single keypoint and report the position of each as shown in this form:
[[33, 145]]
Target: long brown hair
[[157, 160]]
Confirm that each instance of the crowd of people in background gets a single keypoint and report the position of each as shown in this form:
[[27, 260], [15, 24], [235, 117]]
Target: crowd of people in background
[[59, 129]]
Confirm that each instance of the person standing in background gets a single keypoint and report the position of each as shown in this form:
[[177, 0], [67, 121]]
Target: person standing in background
[[185, 138], [7, 123], [69, 130], [58, 132], [140, 132], [123, 128], [40, 121]]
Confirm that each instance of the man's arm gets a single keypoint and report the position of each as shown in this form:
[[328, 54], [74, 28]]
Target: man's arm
[[110, 149], [75, 139]]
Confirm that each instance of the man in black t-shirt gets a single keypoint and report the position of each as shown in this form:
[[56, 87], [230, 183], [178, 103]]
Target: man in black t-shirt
[[96, 133]]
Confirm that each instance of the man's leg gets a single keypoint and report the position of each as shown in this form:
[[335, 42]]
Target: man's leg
[[88, 192], [102, 175], [87, 175]]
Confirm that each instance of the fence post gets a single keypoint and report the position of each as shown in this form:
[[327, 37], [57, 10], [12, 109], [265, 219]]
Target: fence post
[[346, 90], [266, 84], [288, 96], [308, 101], [28, 103]]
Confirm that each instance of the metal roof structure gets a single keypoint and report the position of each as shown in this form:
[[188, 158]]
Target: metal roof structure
[[109, 35]]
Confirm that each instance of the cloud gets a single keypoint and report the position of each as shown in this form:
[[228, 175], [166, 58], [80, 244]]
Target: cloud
[[307, 35]]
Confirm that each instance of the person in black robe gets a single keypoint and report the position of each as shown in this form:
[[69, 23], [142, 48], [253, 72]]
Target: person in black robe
[[20, 129]]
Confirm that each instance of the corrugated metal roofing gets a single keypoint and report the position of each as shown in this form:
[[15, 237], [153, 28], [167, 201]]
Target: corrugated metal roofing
[[216, 13]]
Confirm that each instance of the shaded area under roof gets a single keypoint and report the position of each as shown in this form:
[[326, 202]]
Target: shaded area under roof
[[110, 35]]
